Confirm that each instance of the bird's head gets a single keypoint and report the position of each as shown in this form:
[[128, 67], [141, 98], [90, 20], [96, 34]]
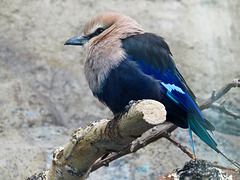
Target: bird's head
[[106, 26], [103, 34]]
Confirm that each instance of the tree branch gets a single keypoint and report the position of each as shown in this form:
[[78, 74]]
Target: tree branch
[[92, 142], [62, 156], [215, 96], [223, 109], [135, 146], [183, 148]]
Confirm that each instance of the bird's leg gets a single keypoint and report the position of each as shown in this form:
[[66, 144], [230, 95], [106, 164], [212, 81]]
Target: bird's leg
[[118, 115], [129, 105]]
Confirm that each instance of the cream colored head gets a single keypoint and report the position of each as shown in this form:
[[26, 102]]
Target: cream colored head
[[104, 25], [104, 33], [112, 24]]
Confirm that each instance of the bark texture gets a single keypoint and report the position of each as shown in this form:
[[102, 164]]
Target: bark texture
[[88, 144]]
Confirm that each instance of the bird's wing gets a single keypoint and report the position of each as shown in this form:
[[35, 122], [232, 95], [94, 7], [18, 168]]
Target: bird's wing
[[152, 53], [153, 56]]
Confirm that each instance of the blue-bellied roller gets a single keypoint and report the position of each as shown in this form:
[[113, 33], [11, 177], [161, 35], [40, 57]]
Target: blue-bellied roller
[[126, 63]]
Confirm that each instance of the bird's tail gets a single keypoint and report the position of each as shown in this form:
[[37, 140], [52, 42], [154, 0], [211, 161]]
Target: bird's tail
[[199, 129]]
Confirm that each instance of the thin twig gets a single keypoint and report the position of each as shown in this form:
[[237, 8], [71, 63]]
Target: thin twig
[[153, 137], [216, 95], [225, 168], [183, 148], [223, 109]]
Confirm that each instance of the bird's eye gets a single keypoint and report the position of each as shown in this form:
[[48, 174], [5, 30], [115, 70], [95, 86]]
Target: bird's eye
[[99, 31], [96, 33]]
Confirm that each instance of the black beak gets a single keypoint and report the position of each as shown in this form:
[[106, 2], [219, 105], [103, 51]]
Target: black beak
[[77, 41]]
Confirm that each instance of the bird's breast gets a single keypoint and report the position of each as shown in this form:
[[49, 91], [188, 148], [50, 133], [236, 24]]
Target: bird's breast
[[127, 82], [100, 61]]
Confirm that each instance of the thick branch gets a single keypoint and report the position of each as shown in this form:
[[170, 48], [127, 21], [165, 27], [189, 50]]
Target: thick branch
[[134, 146], [88, 144]]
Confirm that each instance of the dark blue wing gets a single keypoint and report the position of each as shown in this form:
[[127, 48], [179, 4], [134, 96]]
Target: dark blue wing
[[152, 53], [153, 56]]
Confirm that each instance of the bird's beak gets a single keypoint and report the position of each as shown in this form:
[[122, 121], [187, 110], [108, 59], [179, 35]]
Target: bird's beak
[[77, 41]]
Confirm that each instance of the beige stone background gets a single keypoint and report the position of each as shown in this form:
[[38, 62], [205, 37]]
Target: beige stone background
[[44, 95]]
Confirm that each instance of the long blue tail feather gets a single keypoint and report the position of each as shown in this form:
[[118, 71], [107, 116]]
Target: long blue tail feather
[[204, 135], [195, 120], [190, 133], [230, 160]]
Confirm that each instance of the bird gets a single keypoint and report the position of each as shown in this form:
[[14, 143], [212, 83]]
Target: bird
[[125, 63]]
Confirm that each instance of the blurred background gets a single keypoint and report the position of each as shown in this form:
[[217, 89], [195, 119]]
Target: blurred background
[[44, 95]]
